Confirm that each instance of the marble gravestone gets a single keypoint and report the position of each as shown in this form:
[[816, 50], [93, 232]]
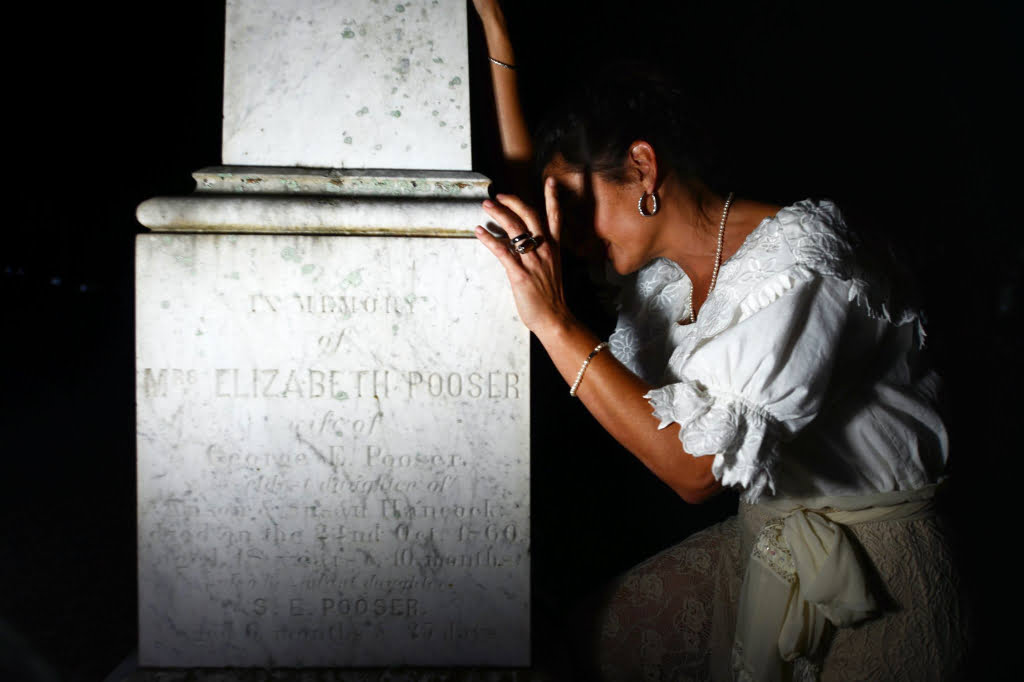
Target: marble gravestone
[[353, 83], [332, 382]]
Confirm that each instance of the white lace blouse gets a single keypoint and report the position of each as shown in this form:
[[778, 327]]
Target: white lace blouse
[[801, 375]]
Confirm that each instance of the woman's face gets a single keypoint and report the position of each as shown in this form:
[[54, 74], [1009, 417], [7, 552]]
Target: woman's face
[[600, 218]]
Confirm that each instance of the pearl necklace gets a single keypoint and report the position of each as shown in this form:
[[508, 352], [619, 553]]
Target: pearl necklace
[[718, 256]]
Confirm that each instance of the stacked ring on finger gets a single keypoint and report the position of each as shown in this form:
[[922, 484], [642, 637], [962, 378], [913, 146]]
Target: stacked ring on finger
[[524, 243]]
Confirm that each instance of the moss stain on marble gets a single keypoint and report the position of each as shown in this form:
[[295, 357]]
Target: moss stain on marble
[[353, 279]]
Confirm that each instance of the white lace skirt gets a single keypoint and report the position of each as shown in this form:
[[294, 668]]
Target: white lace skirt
[[673, 616]]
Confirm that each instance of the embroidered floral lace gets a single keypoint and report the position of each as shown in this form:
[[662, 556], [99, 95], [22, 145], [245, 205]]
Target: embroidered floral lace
[[756, 366]]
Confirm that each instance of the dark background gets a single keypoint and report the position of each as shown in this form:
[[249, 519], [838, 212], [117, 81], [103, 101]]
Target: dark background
[[905, 115]]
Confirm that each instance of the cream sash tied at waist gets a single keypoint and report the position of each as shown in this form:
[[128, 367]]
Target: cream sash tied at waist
[[804, 572]]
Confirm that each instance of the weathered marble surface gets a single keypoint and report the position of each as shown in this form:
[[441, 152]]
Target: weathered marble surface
[[333, 453], [324, 201], [353, 83], [342, 182], [305, 215]]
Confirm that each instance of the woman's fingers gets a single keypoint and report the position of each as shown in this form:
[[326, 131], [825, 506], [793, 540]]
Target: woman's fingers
[[519, 221], [499, 247], [508, 219], [536, 279], [523, 211], [553, 210]]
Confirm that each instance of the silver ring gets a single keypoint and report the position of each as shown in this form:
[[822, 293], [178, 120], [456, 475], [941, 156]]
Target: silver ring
[[524, 243]]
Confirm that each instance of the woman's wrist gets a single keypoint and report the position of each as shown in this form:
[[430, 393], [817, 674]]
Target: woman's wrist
[[501, 49], [499, 45], [557, 329]]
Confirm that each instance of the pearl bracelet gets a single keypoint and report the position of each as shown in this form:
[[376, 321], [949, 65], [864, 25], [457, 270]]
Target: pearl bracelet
[[579, 375]]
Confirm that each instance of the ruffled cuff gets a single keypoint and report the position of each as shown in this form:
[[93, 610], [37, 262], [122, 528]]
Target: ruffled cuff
[[742, 437]]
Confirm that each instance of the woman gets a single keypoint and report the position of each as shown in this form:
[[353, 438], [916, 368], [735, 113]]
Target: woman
[[755, 349]]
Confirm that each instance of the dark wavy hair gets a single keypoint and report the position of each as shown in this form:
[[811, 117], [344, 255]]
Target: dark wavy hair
[[593, 126]]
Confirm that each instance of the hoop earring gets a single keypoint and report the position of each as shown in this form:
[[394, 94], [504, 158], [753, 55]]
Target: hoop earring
[[654, 206]]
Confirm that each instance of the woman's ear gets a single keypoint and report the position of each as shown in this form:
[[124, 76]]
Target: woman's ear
[[644, 164]]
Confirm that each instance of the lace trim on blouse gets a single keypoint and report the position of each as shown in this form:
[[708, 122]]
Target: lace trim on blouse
[[804, 241], [818, 243], [830, 251]]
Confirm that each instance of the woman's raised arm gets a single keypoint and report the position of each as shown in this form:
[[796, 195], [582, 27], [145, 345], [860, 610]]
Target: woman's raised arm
[[516, 144], [610, 391]]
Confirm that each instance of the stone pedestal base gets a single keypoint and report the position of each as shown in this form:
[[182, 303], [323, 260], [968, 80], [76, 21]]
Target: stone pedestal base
[[333, 431]]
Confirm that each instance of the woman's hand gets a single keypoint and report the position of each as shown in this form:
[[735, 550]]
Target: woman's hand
[[612, 393], [535, 276]]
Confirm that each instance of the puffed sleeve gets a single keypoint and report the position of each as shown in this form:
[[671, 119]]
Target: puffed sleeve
[[760, 379]]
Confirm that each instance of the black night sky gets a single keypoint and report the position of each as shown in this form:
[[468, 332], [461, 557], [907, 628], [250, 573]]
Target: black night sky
[[903, 113]]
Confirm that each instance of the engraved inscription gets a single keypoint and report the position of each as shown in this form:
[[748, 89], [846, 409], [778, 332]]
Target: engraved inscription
[[342, 384], [331, 304], [339, 384], [333, 456]]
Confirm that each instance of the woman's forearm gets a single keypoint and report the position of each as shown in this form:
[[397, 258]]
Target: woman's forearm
[[614, 395], [516, 144]]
